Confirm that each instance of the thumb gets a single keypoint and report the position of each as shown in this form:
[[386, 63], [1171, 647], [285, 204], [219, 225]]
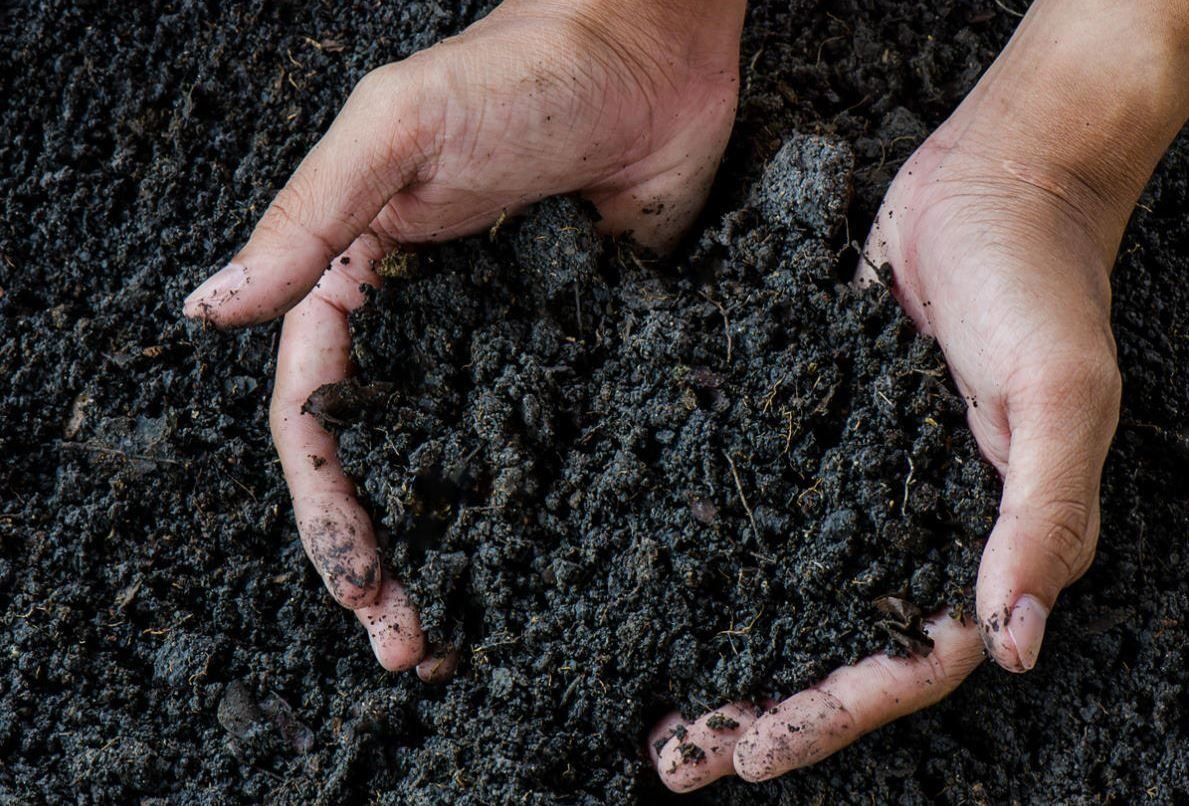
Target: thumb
[[1061, 428], [371, 152]]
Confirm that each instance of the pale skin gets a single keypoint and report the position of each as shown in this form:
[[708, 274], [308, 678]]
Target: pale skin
[[1001, 232]]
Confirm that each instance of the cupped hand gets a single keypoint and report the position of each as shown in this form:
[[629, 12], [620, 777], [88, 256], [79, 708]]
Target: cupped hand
[[758, 741], [990, 260], [999, 233], [626, 102]]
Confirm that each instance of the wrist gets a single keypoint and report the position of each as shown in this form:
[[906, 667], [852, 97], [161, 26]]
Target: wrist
[[1091, 93], [703, 33]]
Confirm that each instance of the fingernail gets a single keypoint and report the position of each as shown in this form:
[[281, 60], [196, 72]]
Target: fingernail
[[217, 289], [1027, 628], [438, 666]]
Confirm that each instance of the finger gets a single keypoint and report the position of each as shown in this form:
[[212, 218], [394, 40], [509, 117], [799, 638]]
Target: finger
[[690, 756], [439, 666], [334, 528], [393, 628], [372, 150], [664, 730], [855, 700], [1047, 530], [315, 350]]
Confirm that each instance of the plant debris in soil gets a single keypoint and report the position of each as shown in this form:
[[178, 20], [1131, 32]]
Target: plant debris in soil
[[617, 488], [163, 638]]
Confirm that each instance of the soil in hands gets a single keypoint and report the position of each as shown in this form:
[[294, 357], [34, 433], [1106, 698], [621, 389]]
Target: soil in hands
[[618, 487]]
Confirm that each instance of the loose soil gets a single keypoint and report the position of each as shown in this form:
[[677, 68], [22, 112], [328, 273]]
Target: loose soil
[[618, 485]]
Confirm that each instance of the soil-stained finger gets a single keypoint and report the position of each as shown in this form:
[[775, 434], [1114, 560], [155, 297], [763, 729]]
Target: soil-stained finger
[[369, 154], [855, 700], [315, 350], [335, 530], [438, 666], [393, 628], [339, 540], [664, 730], [690, 756]]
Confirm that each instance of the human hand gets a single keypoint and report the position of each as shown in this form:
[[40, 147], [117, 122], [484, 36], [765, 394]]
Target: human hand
[[629, 103], [1001, 232]]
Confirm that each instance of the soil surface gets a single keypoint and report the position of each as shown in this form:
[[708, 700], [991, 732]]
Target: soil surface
[[618, 485]]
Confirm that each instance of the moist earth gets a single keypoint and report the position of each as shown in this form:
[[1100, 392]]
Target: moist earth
[[618, 485]]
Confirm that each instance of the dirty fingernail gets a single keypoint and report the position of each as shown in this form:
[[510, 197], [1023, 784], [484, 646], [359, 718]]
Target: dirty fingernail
[[217, 289], [1027, 628], [438, 666]]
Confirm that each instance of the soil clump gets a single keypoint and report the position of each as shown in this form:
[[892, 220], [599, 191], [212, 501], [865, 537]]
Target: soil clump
[[582, 487]]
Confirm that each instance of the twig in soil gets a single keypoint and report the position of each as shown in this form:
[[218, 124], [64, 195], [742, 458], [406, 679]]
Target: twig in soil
[[90, 759], [231, 476], [845, 25], [739, 486], [815, 488], [726, 323], [768, 399], [90, 446], [159, 631], [751, 69], [578, 308], [823, 44], [853, 107], [270, 774], [907, 481], [495, 228], [499, 641], [1011, 11], [747, 629], [731, 633]]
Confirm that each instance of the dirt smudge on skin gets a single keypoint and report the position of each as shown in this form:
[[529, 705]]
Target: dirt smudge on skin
[[148, 557], [336, 550]]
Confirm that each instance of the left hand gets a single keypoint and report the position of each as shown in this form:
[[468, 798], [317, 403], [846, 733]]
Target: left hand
[[627, 102], [1001, 231]]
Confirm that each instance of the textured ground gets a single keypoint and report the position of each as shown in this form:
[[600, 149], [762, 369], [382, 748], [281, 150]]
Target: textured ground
[[162, 634]]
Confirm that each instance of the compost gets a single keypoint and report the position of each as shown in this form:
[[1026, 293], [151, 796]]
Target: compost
[[616, 484]]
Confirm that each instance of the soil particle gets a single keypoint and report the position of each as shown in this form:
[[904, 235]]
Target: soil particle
[[548, 476], [808, 184], [691, 753], [721, 722], [149, 561]]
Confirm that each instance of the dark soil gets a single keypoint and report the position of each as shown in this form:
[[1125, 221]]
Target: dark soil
[[618, 486]]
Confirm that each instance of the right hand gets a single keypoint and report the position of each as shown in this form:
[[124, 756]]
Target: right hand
[[1000, 232], [629, 103]]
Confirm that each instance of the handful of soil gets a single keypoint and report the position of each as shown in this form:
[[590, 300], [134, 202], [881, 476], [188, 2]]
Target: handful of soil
[[620, 487]]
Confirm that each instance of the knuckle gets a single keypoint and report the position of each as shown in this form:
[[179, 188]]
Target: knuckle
[[375, 80], [291, 210], [1110, 381], [295, 203], [283, 213], [1065, 539], [402, 105], [293, 213], [1091, 379], [887, 669], [1098, 375]]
